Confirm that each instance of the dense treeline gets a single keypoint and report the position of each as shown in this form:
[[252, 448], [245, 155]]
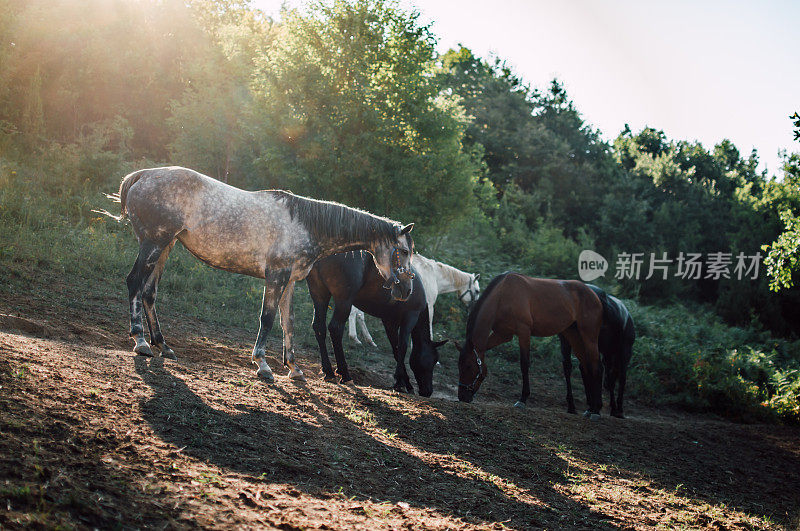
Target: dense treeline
[[349, 100]]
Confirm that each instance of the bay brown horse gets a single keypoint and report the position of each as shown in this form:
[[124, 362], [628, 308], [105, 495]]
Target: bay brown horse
[[518, 305]]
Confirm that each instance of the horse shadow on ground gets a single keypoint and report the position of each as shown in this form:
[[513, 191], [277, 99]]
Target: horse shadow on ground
[[325, 451], [700, 457]]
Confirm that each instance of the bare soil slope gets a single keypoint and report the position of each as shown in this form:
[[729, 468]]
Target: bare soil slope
[[93, 436]]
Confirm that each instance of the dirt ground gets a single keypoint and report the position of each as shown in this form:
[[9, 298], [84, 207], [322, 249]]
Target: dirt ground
[[92, 436]]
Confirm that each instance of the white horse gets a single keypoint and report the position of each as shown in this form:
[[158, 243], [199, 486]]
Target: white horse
[[438, 278]]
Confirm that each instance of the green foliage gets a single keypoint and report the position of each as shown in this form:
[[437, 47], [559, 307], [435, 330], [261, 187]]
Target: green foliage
[[784, 253], [783, 258], [353, 113], [687, 357]]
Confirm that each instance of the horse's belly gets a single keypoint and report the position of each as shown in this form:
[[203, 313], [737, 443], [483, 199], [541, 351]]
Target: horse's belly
[[230, 254]]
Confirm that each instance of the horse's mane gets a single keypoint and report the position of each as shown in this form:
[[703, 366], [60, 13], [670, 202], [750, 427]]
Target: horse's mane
[[327, 220], [455, 275], [473, 313]]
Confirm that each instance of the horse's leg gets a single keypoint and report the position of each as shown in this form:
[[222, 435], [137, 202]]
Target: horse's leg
[[320, 296], [351, 326], [364, 330], [392, 328], [149, 293], [274, 284], [336, 327], [143, 268], [430, 317], [622, 369], [566, 363], [287, 324], [576, 342], [610, 373], [591, 368], [524, 338], [406, 325]]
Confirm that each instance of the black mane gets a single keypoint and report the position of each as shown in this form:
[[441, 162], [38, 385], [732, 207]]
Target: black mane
[[473, 313], [327, 220]]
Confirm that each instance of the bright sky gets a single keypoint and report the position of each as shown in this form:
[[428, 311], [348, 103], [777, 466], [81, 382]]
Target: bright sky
[[698, 70]]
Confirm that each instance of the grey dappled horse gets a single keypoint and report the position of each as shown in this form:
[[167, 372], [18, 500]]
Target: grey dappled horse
[[270, 234]]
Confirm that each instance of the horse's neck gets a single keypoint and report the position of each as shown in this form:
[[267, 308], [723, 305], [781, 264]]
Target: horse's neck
[[449, 279], [337, 228], [334, 247]]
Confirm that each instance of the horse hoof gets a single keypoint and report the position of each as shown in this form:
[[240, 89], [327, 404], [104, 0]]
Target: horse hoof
[[297, 374], [372, 344], [266, 375], [346, 378], [572, 411], [329, 377], [143, 348], [594, 417], [519, 405], [168, 353], [618, 414]]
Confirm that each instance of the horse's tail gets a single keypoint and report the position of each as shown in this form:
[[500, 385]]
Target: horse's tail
[[124, 187], [121, 196]]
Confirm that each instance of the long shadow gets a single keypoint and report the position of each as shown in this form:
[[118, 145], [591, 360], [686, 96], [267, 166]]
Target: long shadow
[[331, 452], [719, 462], [57, 473], [701, 458]]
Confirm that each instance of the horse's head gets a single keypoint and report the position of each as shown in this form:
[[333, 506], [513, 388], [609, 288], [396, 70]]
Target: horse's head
[[471, 291], [393, 260], [471, 371], [422, 362]]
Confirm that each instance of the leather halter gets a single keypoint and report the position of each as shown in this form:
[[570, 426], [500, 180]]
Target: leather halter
[[471, 387], [472, 296], [398, 270]]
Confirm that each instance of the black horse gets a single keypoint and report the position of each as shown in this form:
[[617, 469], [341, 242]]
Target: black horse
[[616, 346], [353, 280]]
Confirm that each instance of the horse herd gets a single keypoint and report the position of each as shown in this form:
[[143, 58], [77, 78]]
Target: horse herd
[[368, 262]]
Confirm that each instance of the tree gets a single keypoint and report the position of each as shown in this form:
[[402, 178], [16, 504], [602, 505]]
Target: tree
[[783, 255], [352, 112]]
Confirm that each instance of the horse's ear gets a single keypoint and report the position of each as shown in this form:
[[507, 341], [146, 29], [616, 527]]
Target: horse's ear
[[477, 276], [439, 343], [406, 229]]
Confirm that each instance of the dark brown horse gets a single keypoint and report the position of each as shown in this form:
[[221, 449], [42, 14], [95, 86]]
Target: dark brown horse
[[517, 305], [616, 346]]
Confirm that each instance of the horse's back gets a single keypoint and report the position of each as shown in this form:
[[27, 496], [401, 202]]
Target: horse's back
[[546, 306], [222, 225]]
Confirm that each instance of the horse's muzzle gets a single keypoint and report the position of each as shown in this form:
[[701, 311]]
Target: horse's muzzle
[[465, 395], [401, 292]]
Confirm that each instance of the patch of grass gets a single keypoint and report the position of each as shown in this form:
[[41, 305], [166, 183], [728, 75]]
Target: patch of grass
[[361, 417]]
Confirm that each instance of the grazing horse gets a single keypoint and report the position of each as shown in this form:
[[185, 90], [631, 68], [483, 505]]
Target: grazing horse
[[271, 234], [515, 304], [616, 347], [352, 279], [438, 278]]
